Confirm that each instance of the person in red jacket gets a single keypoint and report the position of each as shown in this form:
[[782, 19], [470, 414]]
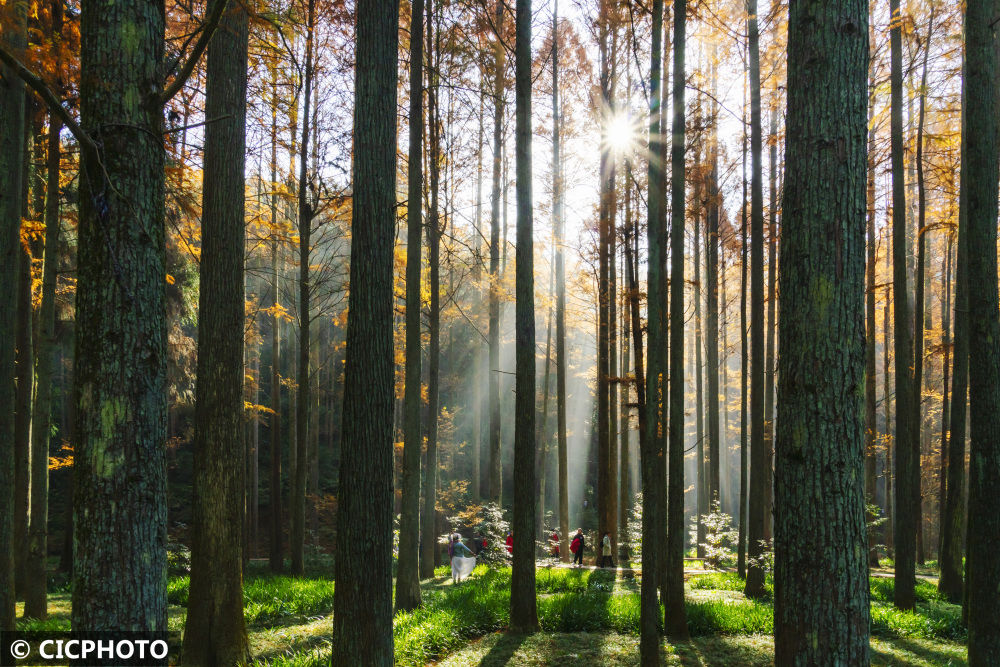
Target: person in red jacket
[[510, 542], [577, 547], [554, 542]]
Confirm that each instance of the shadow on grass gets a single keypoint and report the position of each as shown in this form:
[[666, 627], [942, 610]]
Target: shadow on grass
[[503, 650]]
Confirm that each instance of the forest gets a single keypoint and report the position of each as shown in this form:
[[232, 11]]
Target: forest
[[500, 332]]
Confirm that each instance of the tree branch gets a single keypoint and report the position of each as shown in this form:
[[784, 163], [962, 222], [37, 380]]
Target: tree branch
[[214, 16], [49, 98]]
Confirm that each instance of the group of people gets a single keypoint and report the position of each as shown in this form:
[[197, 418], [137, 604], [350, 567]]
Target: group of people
[[579, 545], [463, 560]]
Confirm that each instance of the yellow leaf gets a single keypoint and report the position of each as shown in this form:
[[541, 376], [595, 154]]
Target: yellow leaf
[[170, 279]]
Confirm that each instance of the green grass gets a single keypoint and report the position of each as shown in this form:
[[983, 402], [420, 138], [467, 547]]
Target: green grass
[[589, 613]]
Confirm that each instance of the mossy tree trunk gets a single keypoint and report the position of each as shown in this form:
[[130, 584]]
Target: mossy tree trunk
[[120, 509]]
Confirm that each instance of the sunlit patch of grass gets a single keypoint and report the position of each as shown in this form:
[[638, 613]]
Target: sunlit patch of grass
[[882, 589]]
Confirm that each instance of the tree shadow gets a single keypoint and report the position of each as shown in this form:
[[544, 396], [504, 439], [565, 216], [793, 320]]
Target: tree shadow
[[503, 650]]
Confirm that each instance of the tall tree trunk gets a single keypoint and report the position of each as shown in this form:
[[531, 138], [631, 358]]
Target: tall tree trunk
[[214, 632], [712, 298], [821, 613], [906, 435], [605, 484], [496, 470], [701, 477], [741, 562], [758, 449], [121, 352], [772, 325], [362, 618], [953, 524], [888, 469], [303, 407], [624, 455], [675, 622], [407, 576], [652, 539], [276, 554], [24, 377], [35, 567], [946, 396], [979, 175], [558, 239], [920, 279], [428, 533], [871, 426], [523, 613], [14, 39]]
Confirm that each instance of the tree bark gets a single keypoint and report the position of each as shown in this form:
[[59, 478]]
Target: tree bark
[[523, 612], [428, 533], [758, 448], [303, 406], [979, 174], [407, 573], [558, 239], [121, 352], [499, 55], [821, 612], [14, 38], [675, 622], [906, 490], [951, 583], [362, 618], [652, 539], [214, 631], [871, 426]]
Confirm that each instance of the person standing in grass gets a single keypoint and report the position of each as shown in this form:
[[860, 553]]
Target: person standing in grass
[[577, 547], [606, 560], [463, 561]]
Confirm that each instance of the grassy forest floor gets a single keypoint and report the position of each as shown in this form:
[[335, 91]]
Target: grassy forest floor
[[588, 616]]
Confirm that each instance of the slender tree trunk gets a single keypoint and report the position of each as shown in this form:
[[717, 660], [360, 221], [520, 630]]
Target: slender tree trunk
[[871, 427], [888, 469], [35, 567], [712, 300], [407, 573], [276, 547], [14, 39], [428, 533], [214, 632], [624, 455], [675, 622], [772, 325], [496, 470], [741, 563], [558, 239], [920, 279], [652, 539], [604, 483], [821, 613], [979, 175], [946, 396], [303, 407], [523, 614], [24, 377], [906, 438], [362, 618], [953, 525], [701, 478], [758, 449]]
